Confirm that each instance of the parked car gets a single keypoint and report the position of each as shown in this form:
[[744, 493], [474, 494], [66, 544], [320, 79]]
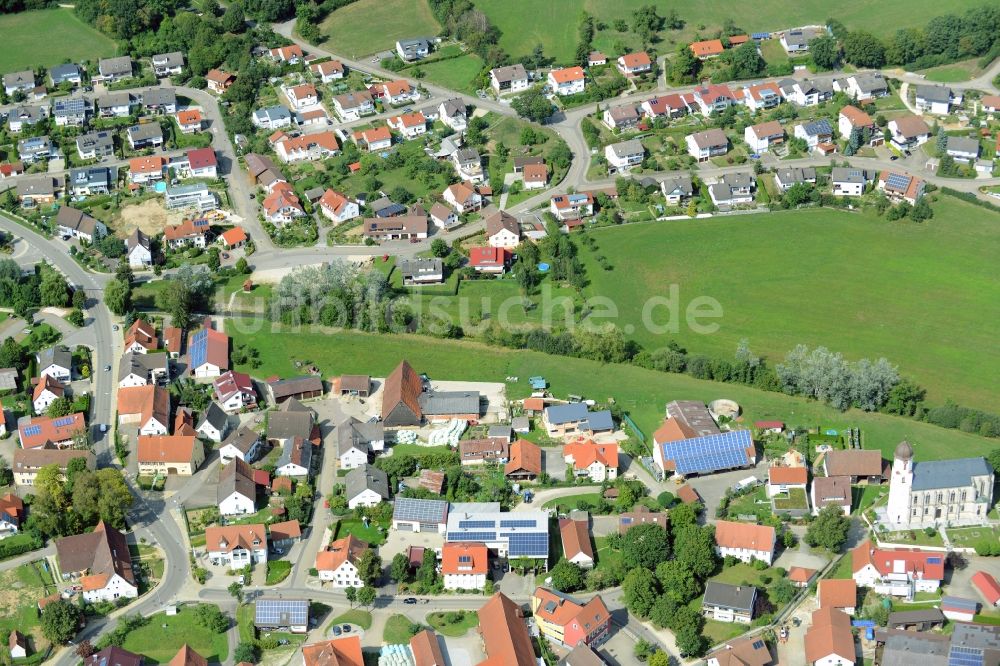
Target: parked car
[[336, 631], [409, 600], [346, 628]]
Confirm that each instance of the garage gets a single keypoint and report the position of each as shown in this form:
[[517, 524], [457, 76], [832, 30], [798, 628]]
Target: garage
[[419, 515], [402, 527]]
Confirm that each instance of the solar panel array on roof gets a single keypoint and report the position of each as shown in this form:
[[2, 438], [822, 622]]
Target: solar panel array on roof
[[64, 421], [199, 348], [517, 523], [897, 181], [420, 510], [281, 612], [472, 536], [33, 430], [712, 453], [476, 524], [965, 656], [528, 544]]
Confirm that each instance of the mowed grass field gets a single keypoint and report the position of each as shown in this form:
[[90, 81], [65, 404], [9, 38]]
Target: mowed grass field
[[642, 393], [925, 296], [455, 73], [368, 26], [47, 37], [553, 23]]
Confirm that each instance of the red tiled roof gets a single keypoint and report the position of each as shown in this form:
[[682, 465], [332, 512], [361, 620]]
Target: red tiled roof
[[200, 158], [487, 256], [729, 534], [586, 452], [856, 116], [987, 586], [709, 47], [567, 75], [344, 651], [464, 558], [188, 117], [505, 635], [837, 593], [633, 60], [234, 236], [524, 456], [787, 475], [922, 564], [575, 537], [142, 165]]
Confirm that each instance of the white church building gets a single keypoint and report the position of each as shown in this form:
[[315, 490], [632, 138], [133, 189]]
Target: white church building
[[937, 492]]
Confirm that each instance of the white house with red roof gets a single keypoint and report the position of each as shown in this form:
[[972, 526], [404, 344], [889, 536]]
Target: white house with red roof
[[394, 92], [234, 391], [338, 563], [665, 106], [302, 96], [305, 147], [745, 541], [713, 97], [463, 198], [464, 565], [202, 163], [598, 462], [762, 96], [900, 573], [287, 54], [375, 139], [781, 480], [635, 64], [410, 125], [489, 259], [338, 208], [328, 71], [572, 206], [208, 352], [567, 81], [47, 391], [234, 238], [282, 205]]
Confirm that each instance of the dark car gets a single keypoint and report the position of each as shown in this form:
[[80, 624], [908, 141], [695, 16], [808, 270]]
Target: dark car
[[346, 628], [409, 600], [893, 158], [336, 630]]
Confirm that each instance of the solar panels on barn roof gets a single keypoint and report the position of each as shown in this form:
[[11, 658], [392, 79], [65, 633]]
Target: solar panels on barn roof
[[712, 453], [420, 510]]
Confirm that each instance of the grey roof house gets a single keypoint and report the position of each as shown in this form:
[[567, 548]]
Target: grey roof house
[[165, 64], [366, 485], [114, 68], [66, 73], [145, 135], [729, 603], [19, 81], [95, 144]]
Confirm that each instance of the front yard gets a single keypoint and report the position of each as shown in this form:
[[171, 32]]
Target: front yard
[[374, 534], [163, 635]]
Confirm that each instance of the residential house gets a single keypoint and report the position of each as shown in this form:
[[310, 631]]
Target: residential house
[[331, 70], [416, 48], [193, 233], [575, 537], [464, 566], [664, 106], [862, 466], [797, 40], [169, 454], [535, 176], [733, 189], [525, 462], [963, 149], [100, 561], [574, 418], [242, 444], [900, 573], [729, 603], [745, 541], [145, 170], [336, 652], [47, 391], [841, 594], [801, 576], [77, 224], [640, 515], [36, 149], [463, 198], [66, 73], [282, 205], [338, 208], [272, 118], [168, 64], [366, 485], [510, 79], [234, 391], [10, 169], [357, 441], [479, 451], [598, 462], [27, 461], [908, 132], [959, 608], [22, 117], [284, 535], [236, 546], [142, 369], [852, 118], [354, 105], [394, 93], [146, 135], [815, 132], [635, 64], [713, 98], [454, 114], [237, 491], [420, 515], [115, 105], [296, 458], [55, 362], [219, 81], [70, 111], [567, 622], [19, 82], [990, 103], [504, 632], [234, 238], [572, 206], [624, 155], [848, 181], [396, 228], [11, 515], [829, 641], [709, 48], [567, 81], [806, 92], [202, 163], [752, 651], [830, 490], [596, 59], [290, 55], [786, 177], [110, 70], [214, 423], [338, 562], [302, 96], [426, 649], [937, 100], [761, 137], [707, 144], [375, 139], [421, 270], [442, 216], [468, 165], [306, 147], [900, 186], [89, 181], [762, 96], [17, 644], [159, 100], [37, 190], [42, 431], [503, 230], [862, 87], [208, 352], [410, 125]]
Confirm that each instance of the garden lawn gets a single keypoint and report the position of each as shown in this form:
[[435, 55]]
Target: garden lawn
[[642, 393], [441, 623], [571, 500], [914, 538], [454, 73], [796, 499], [161, 638], [369, 26], [277, 571], [554, 23], [47, 38], [20, 590], [354, 616], [968, 537], [918, 294], [954, 73], [370, 535], [844, 568], [398, 630]]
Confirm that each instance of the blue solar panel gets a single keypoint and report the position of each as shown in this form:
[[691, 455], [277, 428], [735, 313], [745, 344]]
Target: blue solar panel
[[710, 453], [965, 656], [532, 544], [472, 536], [475, 524], [199, 348], [33, 430], [65, 421], [281, 612], [897, 181], [517, 523], [933, 560]]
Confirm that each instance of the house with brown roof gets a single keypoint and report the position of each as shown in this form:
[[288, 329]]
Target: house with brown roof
[[760, 138], [535, 176], [344, 651], [480, 451], [464, 565], [147, 406], [525, 462], [829, 640], [26, 462], [709, 48], [18, 645], [219, 81], [800, 576], [186, 656], [113, 656], [401, 397], [338, 563], [565, 621], [841, 594], [208, 351], [750, 651], [830, 490], [169, 454], [504, 633], [236, 546], [426, 649], [306, 387], [463, 198], [908, 132], [575, 536], [745, 541], [100, 561], [432, 481], [284, 534], [862, 466], [640, 515], [237, 491], [503, 230], [900, 186]]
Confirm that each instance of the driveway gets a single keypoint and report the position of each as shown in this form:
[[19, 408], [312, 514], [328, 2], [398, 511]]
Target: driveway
[[713, 487], [802, 555]]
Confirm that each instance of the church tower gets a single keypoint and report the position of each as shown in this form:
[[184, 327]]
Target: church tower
[[900, 484]]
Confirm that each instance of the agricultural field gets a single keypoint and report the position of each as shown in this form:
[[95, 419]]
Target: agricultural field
[[642, 393], [369, 26], [62, 33], [918, 294], [554, 23]]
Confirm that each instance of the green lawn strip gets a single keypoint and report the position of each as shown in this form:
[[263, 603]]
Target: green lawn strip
[[795, 499], [453, 73], [367, 26], [161, 638], [454, 624], [398, 630], [844, 568], [770, 296], [370, 535], [914, 538], [642, 393], [245, 623], [571, 500], [355, 616], [64, 36], [753, 503], [277, 571], [863, 497], [968, 537]]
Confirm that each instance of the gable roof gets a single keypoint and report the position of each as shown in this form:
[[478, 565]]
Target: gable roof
[[36, 431], [561, 610], [366, 477], [787, 475], [735, 597], [911, 126], [633, 60], [186, 656], [349, 549], [922, 564], [854, 462], [403, 386], [987, 586], [101, 553], [729, 534], [149, 402], [524, 456], [567, 74], [830, 634], [236, 477], [344, 651], [751, 651], [708, 47], [468, 558], [426, 649], [229, 537], [167, 448], [505, 635], [113, 656], [575, 535], [837, 593], [856, 116], [586, 452]]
